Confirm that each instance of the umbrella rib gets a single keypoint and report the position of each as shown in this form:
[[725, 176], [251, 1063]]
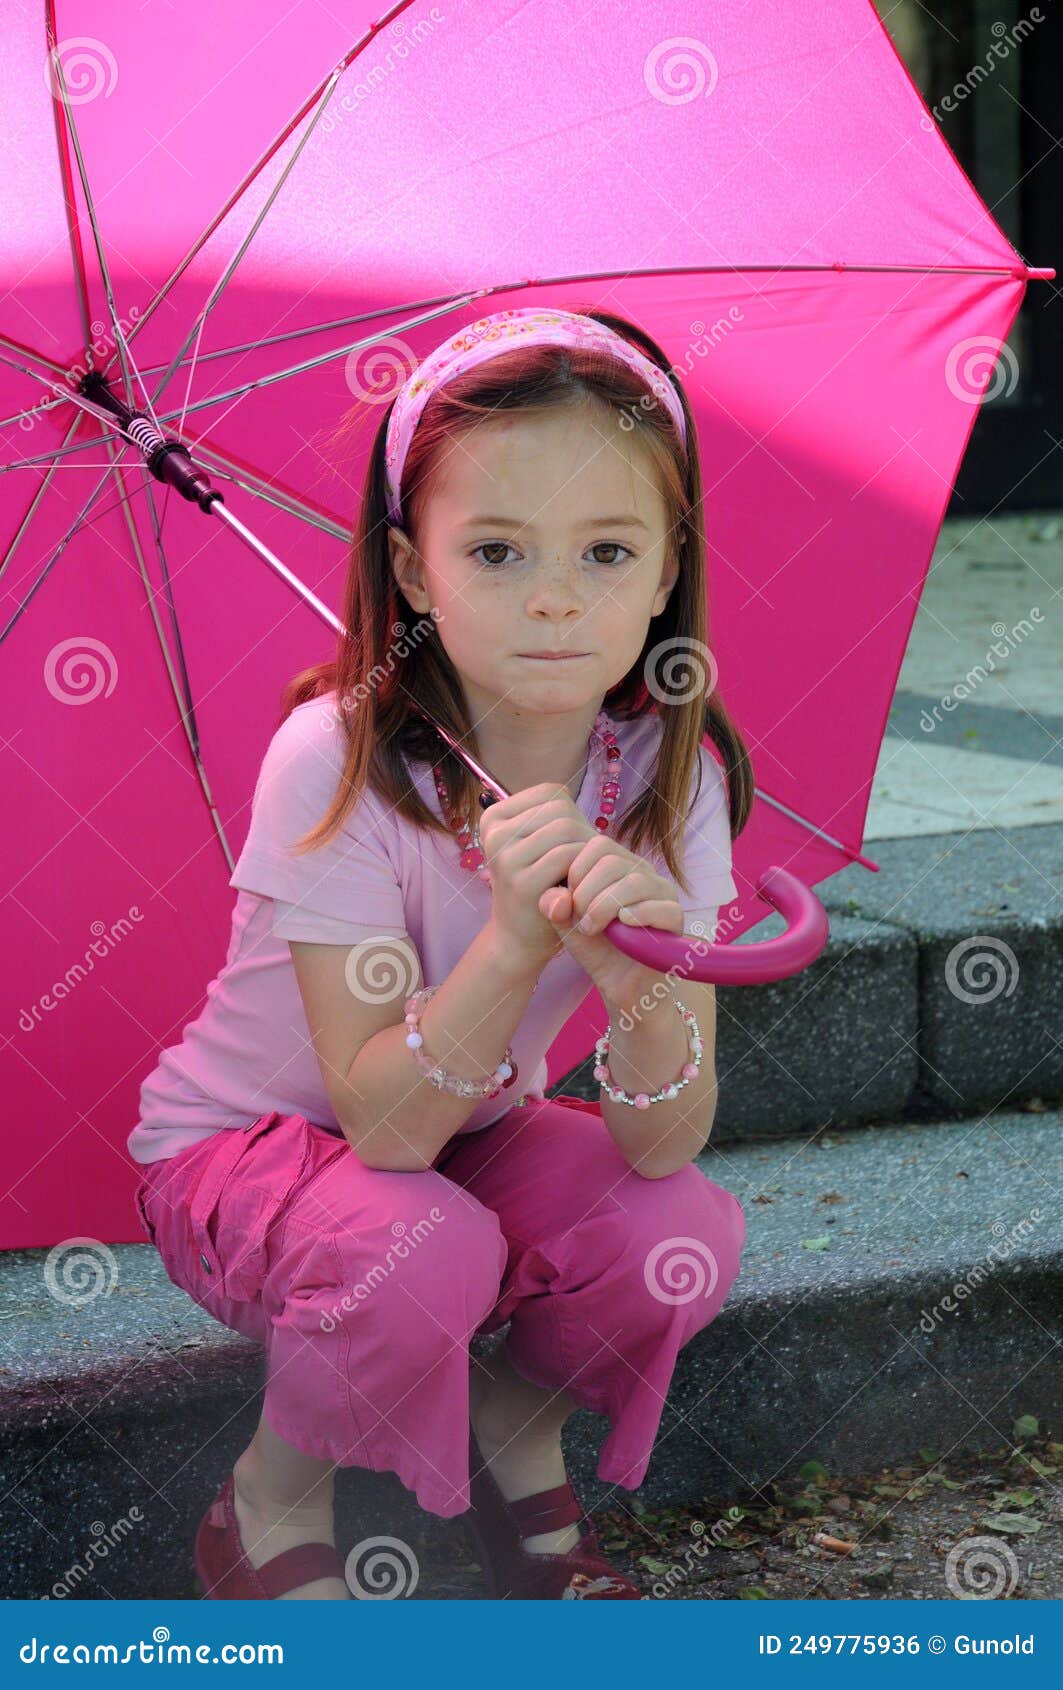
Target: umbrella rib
[[231, 267], [182, 687], [73, 227], [821, 833], [260, 164], [254, 484], [35, 501], [319, 328], [58, 552], [124, 354], [27, 352], [314, 363], [51, 457]]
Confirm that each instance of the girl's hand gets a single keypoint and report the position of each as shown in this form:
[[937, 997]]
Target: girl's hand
[[531, 840], [606, 881]]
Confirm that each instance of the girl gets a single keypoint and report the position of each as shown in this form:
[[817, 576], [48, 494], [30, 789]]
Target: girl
[[529, 567]]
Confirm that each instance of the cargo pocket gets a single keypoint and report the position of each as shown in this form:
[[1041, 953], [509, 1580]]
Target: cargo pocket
[[138, 1203], [230, 1214]]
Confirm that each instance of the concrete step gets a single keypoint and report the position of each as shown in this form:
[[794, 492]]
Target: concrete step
[[940, 994], [901, 1287]]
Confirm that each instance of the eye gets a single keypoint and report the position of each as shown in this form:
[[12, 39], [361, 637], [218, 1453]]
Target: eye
[[610, 546], [496, 545]]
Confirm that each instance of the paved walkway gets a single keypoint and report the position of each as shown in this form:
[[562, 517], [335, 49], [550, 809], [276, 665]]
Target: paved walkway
[[975, 733]]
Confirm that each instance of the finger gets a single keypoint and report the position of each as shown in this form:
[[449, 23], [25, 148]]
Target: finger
[[556, 904], [528, 798], [664, 913], [614, 881]]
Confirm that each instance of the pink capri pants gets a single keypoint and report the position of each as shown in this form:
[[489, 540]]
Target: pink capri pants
[[366, 1285]]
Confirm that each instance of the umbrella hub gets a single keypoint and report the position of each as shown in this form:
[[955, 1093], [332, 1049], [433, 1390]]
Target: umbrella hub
[[166, 457]]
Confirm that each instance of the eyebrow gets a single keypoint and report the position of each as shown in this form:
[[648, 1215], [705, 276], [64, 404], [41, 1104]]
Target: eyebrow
[[628, 521]]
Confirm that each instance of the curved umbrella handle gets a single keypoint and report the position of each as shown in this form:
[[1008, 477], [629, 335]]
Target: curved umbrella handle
[[807, 932]]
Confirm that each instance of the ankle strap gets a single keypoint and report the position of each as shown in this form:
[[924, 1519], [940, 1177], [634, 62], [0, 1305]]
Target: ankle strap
[[547, 1510]]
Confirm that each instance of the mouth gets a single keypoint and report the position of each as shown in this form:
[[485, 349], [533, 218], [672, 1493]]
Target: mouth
[[553, 656]]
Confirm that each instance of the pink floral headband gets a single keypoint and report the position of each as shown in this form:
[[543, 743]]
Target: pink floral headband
[[484, 339]]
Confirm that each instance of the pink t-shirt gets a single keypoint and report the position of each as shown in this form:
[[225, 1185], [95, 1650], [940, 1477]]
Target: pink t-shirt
[[249, 1050]]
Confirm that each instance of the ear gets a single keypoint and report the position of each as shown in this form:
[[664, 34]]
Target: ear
[[669, 577], [407, 570]]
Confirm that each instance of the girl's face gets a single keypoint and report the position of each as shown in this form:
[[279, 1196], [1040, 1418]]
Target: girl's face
[[540, 534]]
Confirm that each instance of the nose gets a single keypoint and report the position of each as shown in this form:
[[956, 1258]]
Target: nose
[[555, 593]]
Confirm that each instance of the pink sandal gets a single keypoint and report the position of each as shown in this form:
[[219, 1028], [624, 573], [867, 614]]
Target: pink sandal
[[511, 1570], [225, 1573]]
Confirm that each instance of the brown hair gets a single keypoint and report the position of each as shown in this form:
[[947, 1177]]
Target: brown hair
[[382, 668]]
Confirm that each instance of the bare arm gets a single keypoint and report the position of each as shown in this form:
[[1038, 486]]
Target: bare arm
[[391, 1113], [648, 1046]]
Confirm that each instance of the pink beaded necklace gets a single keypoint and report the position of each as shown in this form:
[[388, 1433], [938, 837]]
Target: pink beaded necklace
[[468, 839]]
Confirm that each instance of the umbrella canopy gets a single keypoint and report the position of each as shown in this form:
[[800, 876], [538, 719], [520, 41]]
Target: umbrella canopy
[[247, 218]]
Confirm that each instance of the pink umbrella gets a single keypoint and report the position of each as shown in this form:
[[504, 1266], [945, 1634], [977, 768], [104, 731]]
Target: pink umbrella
[[233, 223]]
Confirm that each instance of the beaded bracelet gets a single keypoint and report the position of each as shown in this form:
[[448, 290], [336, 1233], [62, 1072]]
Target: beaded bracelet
[[504, 1074], [642, 1100]]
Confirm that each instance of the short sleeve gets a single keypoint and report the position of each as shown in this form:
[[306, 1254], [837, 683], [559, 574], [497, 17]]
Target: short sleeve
[[344, 891], [706, 847]]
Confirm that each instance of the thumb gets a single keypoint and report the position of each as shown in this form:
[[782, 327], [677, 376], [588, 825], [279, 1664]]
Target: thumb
[[556, 904]]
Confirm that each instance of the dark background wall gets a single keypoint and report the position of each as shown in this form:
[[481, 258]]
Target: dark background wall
[[1001, 112]]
